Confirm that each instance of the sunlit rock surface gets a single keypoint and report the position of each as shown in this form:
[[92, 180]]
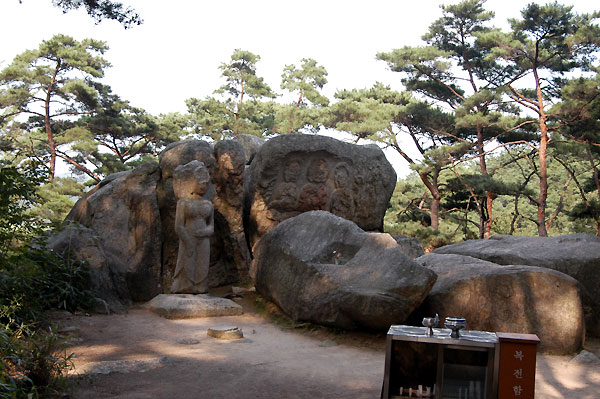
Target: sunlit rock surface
[[577, 255], [516, 298]]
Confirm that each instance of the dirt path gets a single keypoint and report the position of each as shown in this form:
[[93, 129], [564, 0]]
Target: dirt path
[[152, 357]]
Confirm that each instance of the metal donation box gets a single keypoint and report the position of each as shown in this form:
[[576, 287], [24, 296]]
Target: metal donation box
[[438, 363]]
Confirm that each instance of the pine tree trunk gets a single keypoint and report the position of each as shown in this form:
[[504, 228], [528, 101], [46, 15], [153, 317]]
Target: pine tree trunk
[[432, 186], [541, 202], [486, 222], [51, 143]]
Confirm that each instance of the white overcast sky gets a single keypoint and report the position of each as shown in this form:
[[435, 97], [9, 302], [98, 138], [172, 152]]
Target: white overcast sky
[[176, 53]]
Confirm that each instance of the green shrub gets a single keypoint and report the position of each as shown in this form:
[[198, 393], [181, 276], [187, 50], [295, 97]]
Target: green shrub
[[40, 279], [32, 280], [33, 362]]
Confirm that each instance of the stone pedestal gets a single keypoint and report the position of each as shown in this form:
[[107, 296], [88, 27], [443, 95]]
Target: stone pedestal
[[186, 306]]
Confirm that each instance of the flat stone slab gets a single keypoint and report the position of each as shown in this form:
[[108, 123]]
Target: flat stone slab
[[187, 306], [225, 332]]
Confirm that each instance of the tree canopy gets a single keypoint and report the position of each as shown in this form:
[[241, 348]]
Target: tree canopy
[[102, 9], [500, 127]]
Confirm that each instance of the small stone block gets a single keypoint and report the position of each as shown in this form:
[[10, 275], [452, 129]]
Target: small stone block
[[225, 332]]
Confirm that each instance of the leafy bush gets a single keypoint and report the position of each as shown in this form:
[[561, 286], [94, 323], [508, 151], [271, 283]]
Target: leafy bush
[[17, 195], [33, 362], [32, 280], [40, 279]]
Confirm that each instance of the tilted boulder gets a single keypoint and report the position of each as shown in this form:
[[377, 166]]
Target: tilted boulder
[[229, 253], [296, 173], [321, 268], [516, 298], [577, 255], [123, 213]]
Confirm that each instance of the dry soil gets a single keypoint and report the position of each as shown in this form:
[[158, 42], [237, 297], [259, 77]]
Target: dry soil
[[141, 355]]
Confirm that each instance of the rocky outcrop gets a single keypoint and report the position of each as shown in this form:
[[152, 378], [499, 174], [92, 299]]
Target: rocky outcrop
[[577, 255], [130, 239], [321, 268], [122, 211], [516, 298], [296, 173]]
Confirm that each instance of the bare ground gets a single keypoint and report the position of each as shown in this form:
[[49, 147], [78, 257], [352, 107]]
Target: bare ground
[[146, 356]]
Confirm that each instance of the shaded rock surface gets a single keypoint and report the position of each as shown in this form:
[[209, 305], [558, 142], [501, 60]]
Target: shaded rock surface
[[123, 213], [515, 298], [411, 246], [251, 145], [106, 271], [297, 173], [321, 268], [186, 306], [577, 255]]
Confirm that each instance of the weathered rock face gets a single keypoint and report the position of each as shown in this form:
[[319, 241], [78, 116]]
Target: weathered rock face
[[411, 246], [123, 212], [107, 273], [297, 173], [229, 254], [251, 145], [577, 255], [321, 268], [229, 181], [520, 299]]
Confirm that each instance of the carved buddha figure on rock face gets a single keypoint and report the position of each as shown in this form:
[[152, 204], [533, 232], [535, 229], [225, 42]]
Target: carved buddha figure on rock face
[[285, 195], [194, 224], [342, 202], [313, 195]]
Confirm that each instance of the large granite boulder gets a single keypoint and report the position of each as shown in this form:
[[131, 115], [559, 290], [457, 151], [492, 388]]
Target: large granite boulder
[[322, 268], [297, 173], [577, 255], [516, 298], [229, 253], [123, 213]]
